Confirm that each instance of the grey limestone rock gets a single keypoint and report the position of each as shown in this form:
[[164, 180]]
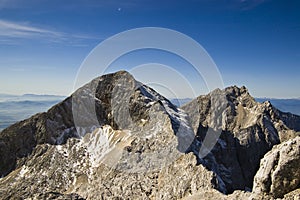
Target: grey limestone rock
[[245, 131], [279, 171], [115, 138]]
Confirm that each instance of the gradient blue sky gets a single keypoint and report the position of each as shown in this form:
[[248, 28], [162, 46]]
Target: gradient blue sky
[[253, 42]]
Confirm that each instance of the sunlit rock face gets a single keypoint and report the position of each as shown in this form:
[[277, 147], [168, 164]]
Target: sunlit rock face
[[279, 171], [247, 131], [112, 130], [115, 138]]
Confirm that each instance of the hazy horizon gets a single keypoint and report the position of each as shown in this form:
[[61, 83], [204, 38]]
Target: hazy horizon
[[57, 95]]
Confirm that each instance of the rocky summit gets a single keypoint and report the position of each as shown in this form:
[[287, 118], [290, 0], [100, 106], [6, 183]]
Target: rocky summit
[[246, 131], [116, 138]]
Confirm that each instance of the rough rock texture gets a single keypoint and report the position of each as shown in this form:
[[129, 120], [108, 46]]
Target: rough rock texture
[[139, 102], [124, 135], [116, 138], [279, 171], [191, 178], [214, 194], [247, 130], [294, 195], [58, 196], [19, 140]]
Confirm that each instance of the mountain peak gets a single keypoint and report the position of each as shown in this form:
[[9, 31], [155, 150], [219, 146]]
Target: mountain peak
[[235, 91], [116, 100], [244, 127], [116, 137], [120, 73]]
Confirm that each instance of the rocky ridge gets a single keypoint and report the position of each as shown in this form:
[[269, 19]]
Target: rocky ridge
[[247, 130], [117, 138]]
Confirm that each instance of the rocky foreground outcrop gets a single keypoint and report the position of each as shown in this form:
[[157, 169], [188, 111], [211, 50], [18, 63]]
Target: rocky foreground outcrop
[[279, 171], [278, 176], [116, 138]]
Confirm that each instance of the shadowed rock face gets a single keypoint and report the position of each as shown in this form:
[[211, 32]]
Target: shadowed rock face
[[20, 139], [247, 129], [116, 138]]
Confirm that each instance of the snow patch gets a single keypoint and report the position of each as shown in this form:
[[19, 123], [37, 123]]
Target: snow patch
[[175, 113], [101, 142], [178, 117]]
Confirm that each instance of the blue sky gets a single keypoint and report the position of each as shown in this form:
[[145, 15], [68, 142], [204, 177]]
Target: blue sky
[[253, 42]]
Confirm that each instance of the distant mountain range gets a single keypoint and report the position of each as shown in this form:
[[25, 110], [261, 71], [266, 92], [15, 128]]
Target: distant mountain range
[[180, 102], [29, 97], [14, 108]]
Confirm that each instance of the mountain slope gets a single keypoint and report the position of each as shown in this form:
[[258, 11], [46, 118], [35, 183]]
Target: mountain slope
[[286, 105], [67, 150], [115, 138], [247, 129]]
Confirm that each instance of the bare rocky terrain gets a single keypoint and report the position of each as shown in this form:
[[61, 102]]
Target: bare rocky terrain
[[116, 138]]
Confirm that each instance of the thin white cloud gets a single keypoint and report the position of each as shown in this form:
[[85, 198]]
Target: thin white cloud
[[19, 30], [10, 31]]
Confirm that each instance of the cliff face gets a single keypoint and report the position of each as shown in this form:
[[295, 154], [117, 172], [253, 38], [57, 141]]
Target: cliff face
[[113, 136], [247, 130], [279, 171], [117, 138]]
